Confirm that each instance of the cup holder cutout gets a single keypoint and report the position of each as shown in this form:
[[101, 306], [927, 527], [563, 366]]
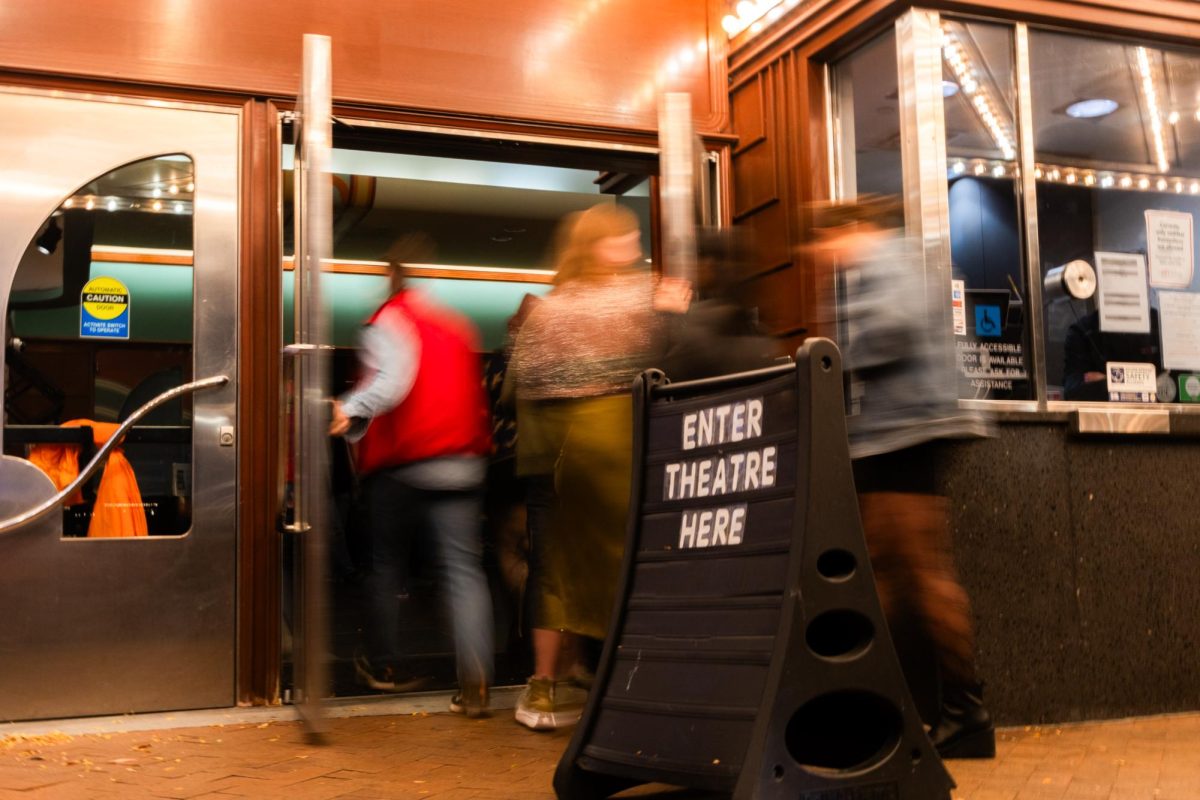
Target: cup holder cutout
[[839, 634], [836, 564], [844, 731]]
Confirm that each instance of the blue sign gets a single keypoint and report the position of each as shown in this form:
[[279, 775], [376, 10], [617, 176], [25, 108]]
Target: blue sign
[[104, 309], [987, 321]]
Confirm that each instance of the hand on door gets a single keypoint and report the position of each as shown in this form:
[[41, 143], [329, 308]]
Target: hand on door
[[340, 422]]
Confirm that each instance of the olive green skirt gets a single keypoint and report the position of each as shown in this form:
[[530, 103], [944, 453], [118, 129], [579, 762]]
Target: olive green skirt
[[587, 444]]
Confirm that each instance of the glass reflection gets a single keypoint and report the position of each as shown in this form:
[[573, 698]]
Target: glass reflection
[[98, 323]]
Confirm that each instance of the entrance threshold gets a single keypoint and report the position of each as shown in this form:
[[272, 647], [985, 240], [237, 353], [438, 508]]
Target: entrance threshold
[[502, 698]]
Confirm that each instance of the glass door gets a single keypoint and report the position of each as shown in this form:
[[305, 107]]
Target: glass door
[[118, 278]]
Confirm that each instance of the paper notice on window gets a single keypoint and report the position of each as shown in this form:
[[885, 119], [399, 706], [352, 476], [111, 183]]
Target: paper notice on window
[[1124, 295], [958, 307], [1169, 246], [1131, 382], [1179, 320]]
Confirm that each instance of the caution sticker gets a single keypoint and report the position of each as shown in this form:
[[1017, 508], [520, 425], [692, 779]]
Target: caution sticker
[[104, 309]]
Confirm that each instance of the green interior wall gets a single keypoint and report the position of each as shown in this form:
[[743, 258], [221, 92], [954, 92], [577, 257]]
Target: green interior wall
[[161, 304]]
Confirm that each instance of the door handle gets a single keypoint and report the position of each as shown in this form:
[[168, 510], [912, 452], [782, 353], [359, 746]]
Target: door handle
[[44, 508]]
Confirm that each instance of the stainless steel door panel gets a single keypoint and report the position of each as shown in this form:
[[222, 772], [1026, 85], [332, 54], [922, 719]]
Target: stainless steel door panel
[[100, 626]]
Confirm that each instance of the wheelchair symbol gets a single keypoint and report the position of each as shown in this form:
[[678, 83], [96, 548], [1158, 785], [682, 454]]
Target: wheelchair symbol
[[987, 321]]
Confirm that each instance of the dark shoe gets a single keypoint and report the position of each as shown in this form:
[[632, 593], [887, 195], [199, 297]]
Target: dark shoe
[[384, 680], [472, 702], [964, 729]]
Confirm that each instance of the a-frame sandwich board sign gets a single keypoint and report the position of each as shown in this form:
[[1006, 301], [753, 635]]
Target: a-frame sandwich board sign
[[748, 653]]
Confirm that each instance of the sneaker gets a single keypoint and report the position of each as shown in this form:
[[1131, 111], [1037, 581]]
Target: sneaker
[[384, 680], [472, 702], [546, 705]]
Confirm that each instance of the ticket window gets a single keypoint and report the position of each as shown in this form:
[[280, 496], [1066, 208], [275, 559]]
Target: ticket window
[[99, 322], [1117, 138]]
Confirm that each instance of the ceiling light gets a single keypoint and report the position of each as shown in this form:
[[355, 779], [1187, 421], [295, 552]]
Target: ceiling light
[[1071, 177], [980, 169], [157, 192], [1161, 185], [1092, 108], [48, 241], [191, 187], [949, 88], [1037, 172], [90, 204], [1089, 180], [1173, 118], [959, 168], [111, 205], [156, 205], [179, 208], [1144, 183], [1107, 181], [998, 171], [1126, 182], [173, 189], [70, 201]]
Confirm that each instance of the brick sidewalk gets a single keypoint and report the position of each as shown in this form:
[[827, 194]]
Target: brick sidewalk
[[449, 758]]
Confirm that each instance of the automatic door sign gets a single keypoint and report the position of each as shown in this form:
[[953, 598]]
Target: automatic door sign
[[104, 309]]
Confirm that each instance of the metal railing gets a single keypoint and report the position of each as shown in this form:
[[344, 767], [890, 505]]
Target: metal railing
[[45, 507]]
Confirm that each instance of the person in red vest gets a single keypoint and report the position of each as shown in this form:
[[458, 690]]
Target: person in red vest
[[422, 426]]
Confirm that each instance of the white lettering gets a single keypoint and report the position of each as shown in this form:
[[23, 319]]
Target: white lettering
[[753, 461], [703, 477], [704, 432], [689, 431], [687, 479], [712, 527], [687, 530], [722, 416], [738, 431], [768, 466], [754, 413], [736, 460], [737, 525], [703, 529], [718, 486], [672, 472]]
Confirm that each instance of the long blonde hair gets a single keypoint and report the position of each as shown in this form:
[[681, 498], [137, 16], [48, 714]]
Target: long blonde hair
[[577, 237]]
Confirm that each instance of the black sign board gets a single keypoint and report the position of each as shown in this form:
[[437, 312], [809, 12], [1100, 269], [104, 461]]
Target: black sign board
[[748, 653]]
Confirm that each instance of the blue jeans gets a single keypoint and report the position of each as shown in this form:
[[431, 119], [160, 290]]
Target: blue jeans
[[397, 511]]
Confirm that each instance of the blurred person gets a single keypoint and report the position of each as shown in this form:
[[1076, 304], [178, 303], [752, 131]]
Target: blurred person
[[420, 419], [719, 334], [902, 402], [573, 364]]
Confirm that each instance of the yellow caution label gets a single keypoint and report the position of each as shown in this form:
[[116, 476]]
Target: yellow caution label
[[104, 309]]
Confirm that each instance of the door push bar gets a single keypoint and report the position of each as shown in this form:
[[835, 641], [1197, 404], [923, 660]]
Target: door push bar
[[44, 508]]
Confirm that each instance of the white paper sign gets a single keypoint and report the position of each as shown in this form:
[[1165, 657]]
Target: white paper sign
[[1124, 296], [1169, 245], [1179, 320], [958, 306], [1131, 382]]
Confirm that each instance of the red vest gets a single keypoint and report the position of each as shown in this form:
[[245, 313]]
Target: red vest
[[446, 411]]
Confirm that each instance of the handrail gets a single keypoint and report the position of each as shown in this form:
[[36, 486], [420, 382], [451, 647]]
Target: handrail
[[44, 508]]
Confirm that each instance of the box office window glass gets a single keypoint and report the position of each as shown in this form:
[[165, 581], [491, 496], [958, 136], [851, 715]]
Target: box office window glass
[[987, 266], [1117, 146]]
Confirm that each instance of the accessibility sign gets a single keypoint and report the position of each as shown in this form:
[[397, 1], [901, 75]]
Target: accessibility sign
[[104, 309]]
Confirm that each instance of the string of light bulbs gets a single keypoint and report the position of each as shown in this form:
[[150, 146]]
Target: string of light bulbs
[[974, 87], [1075, 176], [755, 15]]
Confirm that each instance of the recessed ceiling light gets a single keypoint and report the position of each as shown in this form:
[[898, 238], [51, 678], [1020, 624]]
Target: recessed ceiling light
[[1092, 108], [949, 88]]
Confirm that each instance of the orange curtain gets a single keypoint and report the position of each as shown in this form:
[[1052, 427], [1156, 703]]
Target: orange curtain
[[118, 510]]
